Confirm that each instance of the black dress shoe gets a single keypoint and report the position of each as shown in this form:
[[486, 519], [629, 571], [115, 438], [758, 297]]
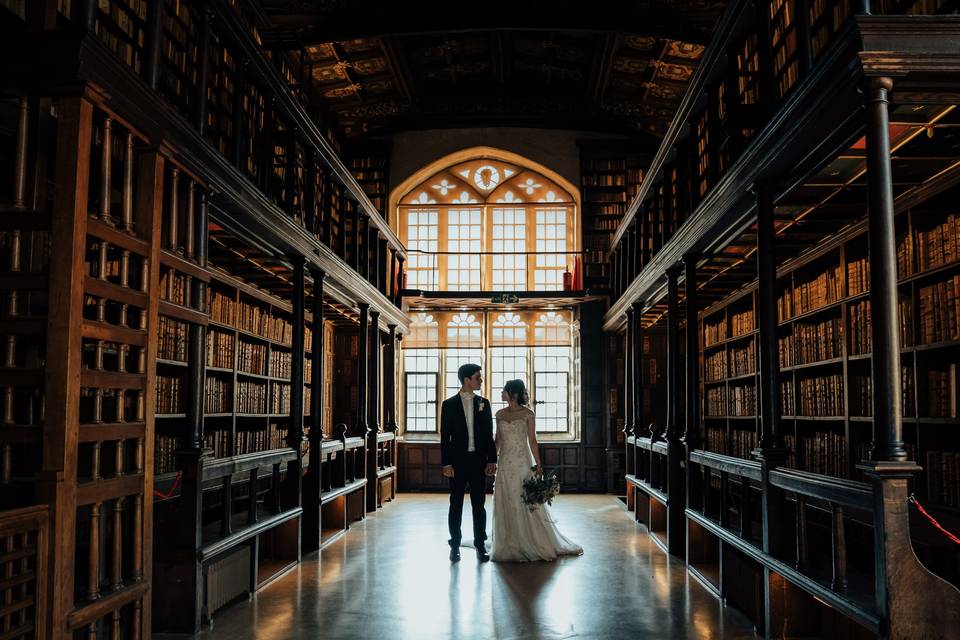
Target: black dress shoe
[[482, 555], [454, 555]]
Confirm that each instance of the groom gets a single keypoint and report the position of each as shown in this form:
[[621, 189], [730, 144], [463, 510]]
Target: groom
[[468, 452]]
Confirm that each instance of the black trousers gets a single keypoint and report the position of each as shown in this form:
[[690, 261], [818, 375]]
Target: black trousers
[[469, 472]]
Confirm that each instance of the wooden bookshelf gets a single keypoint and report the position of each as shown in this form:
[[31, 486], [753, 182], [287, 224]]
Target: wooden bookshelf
[[609, 179]]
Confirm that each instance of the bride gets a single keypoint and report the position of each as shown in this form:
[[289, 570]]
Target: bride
[[519, 534]]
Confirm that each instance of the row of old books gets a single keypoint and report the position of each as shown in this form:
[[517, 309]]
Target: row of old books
[[817, 342], [861, 394], [252, 358], [714, 332], [822, 396], [942, 392], [251, 397], [280, 364], [252, 441], [173, 287], [785, 305], [249, 317], [604, 180], [938, 246], [742, 322], [788, 401], [940, 311], [716, 401], [220, 349], [717, 440], [715, 366], [217, 396], [743, 400], [826, 288], [743, 360], [861, 327], [943, 478], [172, 340], [825, 452], [743, 442], [169, 395], [164, 454], [219, 441], [279, 398], [858, 276]]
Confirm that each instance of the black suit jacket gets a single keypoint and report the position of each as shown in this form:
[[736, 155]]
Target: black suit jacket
[[453, 431]]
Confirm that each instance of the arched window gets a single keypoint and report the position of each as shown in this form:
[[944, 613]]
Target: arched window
[[488, 224]]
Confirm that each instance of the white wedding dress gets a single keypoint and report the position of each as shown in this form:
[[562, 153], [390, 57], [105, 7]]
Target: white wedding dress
[[519, 534]]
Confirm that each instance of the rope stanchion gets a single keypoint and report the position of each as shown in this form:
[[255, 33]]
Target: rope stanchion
[[913, 500], [173, 488]]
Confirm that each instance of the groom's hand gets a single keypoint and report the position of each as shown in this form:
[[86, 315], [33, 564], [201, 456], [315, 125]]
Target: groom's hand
[[448, 471], [491, 469]]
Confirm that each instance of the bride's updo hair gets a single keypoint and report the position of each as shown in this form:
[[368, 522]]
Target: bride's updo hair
[[518, 391]]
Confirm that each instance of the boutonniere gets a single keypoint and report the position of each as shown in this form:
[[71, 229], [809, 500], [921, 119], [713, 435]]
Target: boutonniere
[[481, 406]]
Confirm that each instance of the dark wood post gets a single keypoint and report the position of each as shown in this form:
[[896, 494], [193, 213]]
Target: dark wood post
[[638, 417], [390, 381], [771, 451], [293, 484], [363, 334], [312, 481], [676, 498], [197, 336], [153, 35], [628, 386], [203, 71], [374, 411], [392, 285], [691, 434], [240, 145], [398, 296]]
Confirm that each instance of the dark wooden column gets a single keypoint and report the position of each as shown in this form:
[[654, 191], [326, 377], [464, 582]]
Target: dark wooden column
[[312, 481], [691, 431], [360, 428], [294, 481], [392, 284], [240, 146], [390, 381], [771, 451], [770, 437], [374, 411], [203, 71], [153, 43], [637, 381], [198, 333], [628, 386], [401, 277], [676, 497]]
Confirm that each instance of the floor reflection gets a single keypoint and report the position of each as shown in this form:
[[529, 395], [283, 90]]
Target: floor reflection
[[390, 577]]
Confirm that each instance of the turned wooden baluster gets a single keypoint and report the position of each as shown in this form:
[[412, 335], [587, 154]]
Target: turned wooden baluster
[[95, 462], [93, 579], [136, 570], [724, 497], [705, 484], [838, 547], [115, 626], [172, 228], [275, 488], [106, 160], [92, 631], [801, 518], [137, 619], [127, 196], [116, 580], [124, 282], [120, 448]]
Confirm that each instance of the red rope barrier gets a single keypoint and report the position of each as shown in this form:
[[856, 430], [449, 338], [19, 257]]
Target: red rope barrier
[[173, 489], [933, 521]]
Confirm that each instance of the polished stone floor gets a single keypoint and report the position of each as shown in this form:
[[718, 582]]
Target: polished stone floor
[[389, 577]]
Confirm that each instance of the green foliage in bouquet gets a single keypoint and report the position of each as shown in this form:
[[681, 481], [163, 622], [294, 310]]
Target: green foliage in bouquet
[[540, 489]]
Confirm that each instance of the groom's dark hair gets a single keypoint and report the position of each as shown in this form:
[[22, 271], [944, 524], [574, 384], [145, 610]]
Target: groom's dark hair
[[466, 371]]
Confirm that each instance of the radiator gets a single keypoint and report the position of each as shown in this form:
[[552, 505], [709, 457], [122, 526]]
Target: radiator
[[228, 578]]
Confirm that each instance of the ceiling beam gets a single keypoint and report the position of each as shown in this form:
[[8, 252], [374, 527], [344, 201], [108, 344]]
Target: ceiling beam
[[604, 53]]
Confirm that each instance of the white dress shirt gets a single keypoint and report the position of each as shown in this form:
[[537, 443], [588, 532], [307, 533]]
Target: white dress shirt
[[467, 398]]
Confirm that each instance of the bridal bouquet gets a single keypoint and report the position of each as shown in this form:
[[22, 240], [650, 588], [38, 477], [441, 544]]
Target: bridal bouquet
[[540, 489]]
